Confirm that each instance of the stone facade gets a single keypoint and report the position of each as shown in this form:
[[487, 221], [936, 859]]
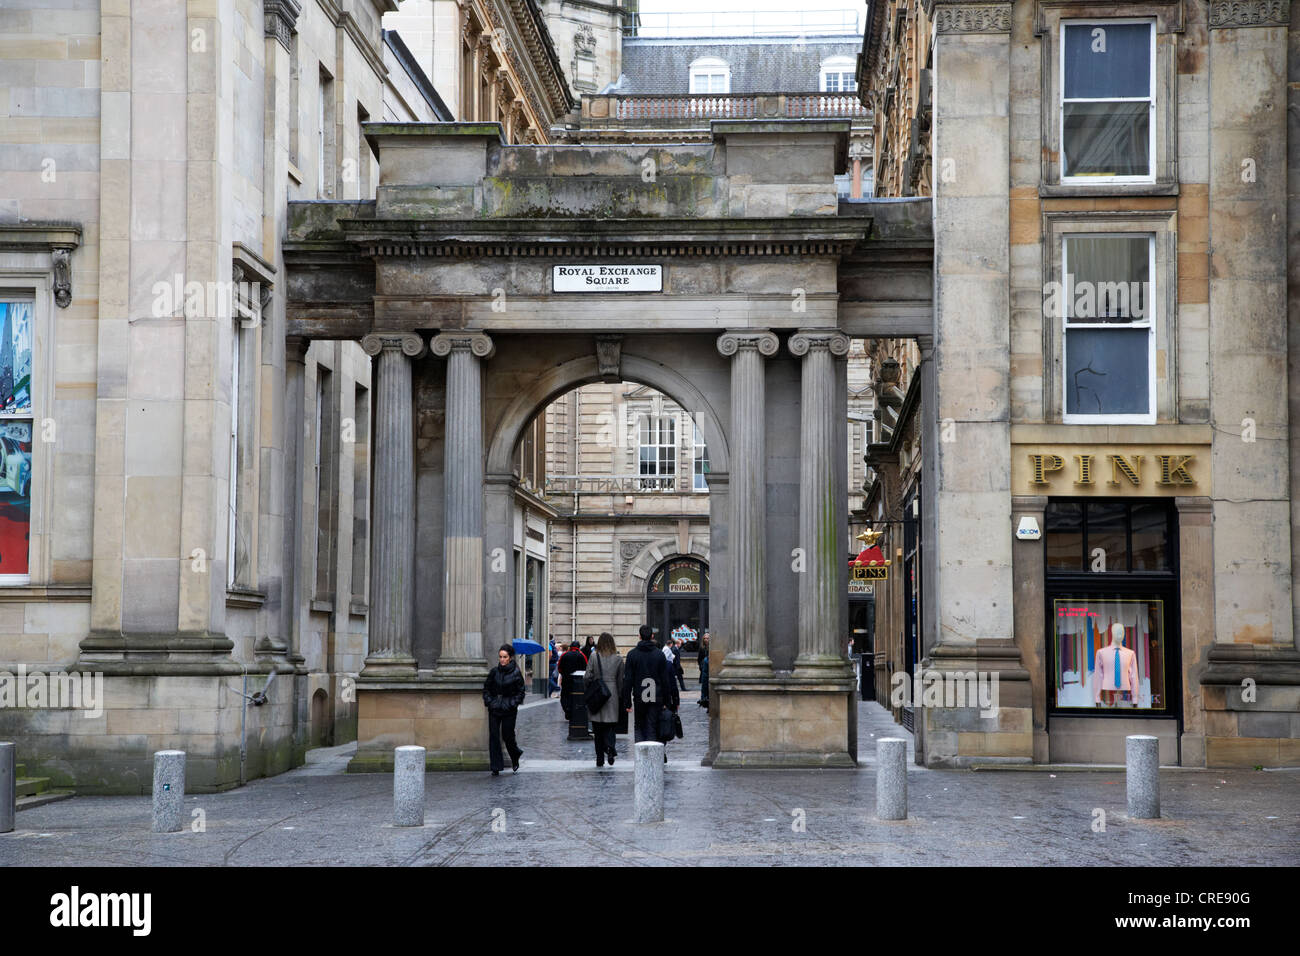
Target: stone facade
[[1006, 213]]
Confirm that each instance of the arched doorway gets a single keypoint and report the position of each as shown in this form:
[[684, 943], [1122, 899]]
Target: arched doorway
[[677, 596]]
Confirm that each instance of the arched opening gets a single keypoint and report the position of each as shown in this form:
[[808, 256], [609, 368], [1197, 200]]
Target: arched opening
[[677, 600]]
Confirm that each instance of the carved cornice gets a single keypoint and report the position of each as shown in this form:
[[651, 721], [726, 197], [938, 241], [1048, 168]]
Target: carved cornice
[[281, 18], [971, 17], [478, 343], [1249, 13], [412, 345], [729, 343], [832, 340]]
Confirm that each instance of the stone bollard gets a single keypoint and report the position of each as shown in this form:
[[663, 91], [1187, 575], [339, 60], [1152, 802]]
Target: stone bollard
[[168, 790], [1142, 763], [408, 786], [8, 786], [891, 778], [649, 782]]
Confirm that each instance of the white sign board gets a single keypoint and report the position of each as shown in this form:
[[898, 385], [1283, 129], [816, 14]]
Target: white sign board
[[619, 278]]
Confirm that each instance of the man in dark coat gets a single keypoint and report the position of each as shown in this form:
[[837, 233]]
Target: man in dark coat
[[677, 664], [648, 686], [573, 660]]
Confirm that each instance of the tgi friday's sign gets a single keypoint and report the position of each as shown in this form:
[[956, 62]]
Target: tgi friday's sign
[[608, 278]]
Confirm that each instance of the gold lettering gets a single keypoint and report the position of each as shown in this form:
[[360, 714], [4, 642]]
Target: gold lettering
[[1119, 466], [1175, 474], [1085, 469], [1043, 464]]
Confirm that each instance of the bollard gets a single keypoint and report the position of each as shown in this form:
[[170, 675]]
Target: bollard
[[408, 786], [168, 790], [649, 782], [891, 778], [1142, 763], [8, 786]]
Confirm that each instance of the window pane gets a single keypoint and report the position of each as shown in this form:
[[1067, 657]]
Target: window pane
[[16, 358], [1107, 60], [1111, 278], [1150, 537], [1107, 372], [1107, 139], [1107, 533], [1063, 525], [15, 494]]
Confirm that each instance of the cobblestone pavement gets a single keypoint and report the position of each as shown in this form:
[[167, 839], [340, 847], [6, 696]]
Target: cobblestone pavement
[[559, 809]]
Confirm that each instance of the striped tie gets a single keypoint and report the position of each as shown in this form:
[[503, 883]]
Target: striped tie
[[1117, 668]]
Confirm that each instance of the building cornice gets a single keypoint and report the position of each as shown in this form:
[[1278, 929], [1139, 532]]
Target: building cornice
[[281, 18], [1226, 14], [961, 16]]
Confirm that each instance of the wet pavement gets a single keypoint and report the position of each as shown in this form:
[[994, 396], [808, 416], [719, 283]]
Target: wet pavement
[[559, 809]]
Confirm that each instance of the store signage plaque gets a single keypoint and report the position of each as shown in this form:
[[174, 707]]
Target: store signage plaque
[[608, 278]]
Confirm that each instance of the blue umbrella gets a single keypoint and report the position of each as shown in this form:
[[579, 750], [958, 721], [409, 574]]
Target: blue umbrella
[[527, 647]]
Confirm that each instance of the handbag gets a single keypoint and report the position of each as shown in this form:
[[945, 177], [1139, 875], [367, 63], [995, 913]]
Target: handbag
[[667, 729], [594, 693], [677, 726]]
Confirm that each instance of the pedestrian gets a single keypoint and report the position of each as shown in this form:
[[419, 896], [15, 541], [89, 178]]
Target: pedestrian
[[503, 692], [648, 687], [703, 659], [677, 664], [589, 648], [606, 666], [570, 662], [554, 676]]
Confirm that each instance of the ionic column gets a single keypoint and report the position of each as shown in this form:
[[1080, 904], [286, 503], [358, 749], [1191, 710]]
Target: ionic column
[[822, 502], [462, 631], [392, 556], [747, 511]]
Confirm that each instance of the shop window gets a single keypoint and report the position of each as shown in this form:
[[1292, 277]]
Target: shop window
[[16, 422], [657, 453], [1108, 101], [1106, 536], [1099, 666]]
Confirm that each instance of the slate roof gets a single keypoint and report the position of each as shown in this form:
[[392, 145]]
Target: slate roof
[[758, 64]]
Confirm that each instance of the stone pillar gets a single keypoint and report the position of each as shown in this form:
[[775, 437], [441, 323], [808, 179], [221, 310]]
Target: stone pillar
[[462, 632], [392, 556], [1031, 629], [500, 623], [1196, 620], [747, 637], [295, 385], [822, 505]]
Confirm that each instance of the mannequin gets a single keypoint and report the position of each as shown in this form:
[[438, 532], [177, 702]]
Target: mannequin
[[1116, 669]]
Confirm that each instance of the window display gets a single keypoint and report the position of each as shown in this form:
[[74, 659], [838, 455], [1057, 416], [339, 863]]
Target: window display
[[1109, 653], [15, 438]]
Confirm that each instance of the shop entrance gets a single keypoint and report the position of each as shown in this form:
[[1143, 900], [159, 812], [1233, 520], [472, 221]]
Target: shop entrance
[[677, 600]]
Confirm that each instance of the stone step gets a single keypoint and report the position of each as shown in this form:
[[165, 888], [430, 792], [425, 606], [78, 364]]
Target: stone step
[[40, 799], [31, 786]]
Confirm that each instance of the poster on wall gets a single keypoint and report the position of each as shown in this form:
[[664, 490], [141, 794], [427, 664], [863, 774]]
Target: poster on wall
[[1109, 654], [15, 502], [15, 358], [15, 435]]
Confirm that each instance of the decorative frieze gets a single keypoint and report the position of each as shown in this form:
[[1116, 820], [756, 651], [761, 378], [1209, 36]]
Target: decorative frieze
[[281, 20], [972, 18], [1250, 13]]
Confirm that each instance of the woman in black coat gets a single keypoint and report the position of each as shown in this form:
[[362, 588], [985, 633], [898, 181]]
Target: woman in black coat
[[503, 692]]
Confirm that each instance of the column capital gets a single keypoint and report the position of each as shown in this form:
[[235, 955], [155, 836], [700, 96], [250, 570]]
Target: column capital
[[729, 343], [805, 340], [411, 344], [295, 348], [444, 343]]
